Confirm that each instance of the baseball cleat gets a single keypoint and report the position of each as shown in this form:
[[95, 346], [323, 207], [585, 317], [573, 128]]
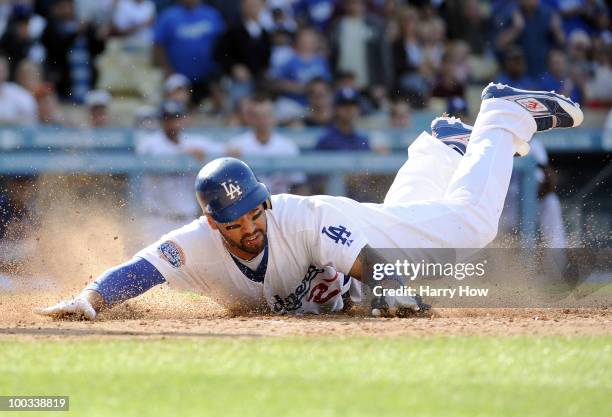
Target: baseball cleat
[[452, 132], [549, 109]]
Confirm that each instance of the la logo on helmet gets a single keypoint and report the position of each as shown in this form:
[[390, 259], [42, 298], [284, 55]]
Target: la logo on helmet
[[232, 190]]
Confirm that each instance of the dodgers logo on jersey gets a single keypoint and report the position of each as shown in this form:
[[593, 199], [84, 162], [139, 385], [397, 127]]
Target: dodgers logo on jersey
[[294, 300], [338, 234], [172, 253], [231, 190]]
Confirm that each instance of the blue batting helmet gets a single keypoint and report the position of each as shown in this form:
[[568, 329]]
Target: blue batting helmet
[[227, 189]]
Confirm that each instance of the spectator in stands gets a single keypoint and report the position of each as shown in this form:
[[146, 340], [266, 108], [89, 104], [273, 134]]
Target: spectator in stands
[[550, 220], [49, 113], [552, 230], [359, 45], [17, 106], [447, 83], [5, 215], [99, 12], [29, 75], [133, 20], [230, 10], [278, 15], [348, 80], [245, 49], [607, 130], [432, 33], [580, 14], [558, 78], [21, 38], [457, 107], [6, 9], [282, 49], [320, 103], [17, 217], [262, 140], [460, 55], [399, 121], [307, 63], [536, 28], [185, 38], [317, 13], [342, 135], [467, 21], [146, 119], [177, 88], [72, 46], [408, 60], [578, 50], [241, 113], [514, 70], [599, 87], [168, 200], [399, 114], [98, 102]]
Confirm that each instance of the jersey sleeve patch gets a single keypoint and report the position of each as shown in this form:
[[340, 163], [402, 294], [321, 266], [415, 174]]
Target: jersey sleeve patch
[[172, 253]]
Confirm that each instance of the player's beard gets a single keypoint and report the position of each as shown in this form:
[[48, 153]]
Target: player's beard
[[246, 247]]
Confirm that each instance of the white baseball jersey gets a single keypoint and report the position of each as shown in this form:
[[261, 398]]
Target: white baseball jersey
[[313, 241], [310, 245]]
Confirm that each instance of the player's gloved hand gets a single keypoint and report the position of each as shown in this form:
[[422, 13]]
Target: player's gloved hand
[[398, 306], [75, 309]]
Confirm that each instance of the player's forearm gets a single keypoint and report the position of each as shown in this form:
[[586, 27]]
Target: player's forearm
[[368, 255], [94, 298], [123, 282]]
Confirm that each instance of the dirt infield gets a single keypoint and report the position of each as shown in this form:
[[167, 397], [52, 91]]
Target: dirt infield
[[163, 313], [72, 249]]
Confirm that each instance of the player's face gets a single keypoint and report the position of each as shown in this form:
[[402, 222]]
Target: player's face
[[247, 235]]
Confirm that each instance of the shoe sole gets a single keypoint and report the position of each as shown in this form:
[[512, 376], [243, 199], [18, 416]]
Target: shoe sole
[[451, 121], [571, 108]]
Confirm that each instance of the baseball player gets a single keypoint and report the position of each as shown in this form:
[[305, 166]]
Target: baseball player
[[295, 254]]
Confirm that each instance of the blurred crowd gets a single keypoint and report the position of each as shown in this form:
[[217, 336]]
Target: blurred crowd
[[215, 55]]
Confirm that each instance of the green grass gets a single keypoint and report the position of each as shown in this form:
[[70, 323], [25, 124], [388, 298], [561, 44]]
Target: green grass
[[433, 376]]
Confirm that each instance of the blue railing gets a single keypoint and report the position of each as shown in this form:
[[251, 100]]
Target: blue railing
[[36, 151], [19, 139]]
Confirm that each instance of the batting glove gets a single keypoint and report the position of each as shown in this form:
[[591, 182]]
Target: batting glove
[[76, 309]]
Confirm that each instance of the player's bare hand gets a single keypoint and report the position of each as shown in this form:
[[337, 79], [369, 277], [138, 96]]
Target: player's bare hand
[[76, 309]]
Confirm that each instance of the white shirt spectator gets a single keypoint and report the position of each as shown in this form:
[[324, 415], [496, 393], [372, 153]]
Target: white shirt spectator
[[354, 37], [607, 134], [173, 196], [98, 11], [133, 13], [17, 106], [599, 87], [247, 145]]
